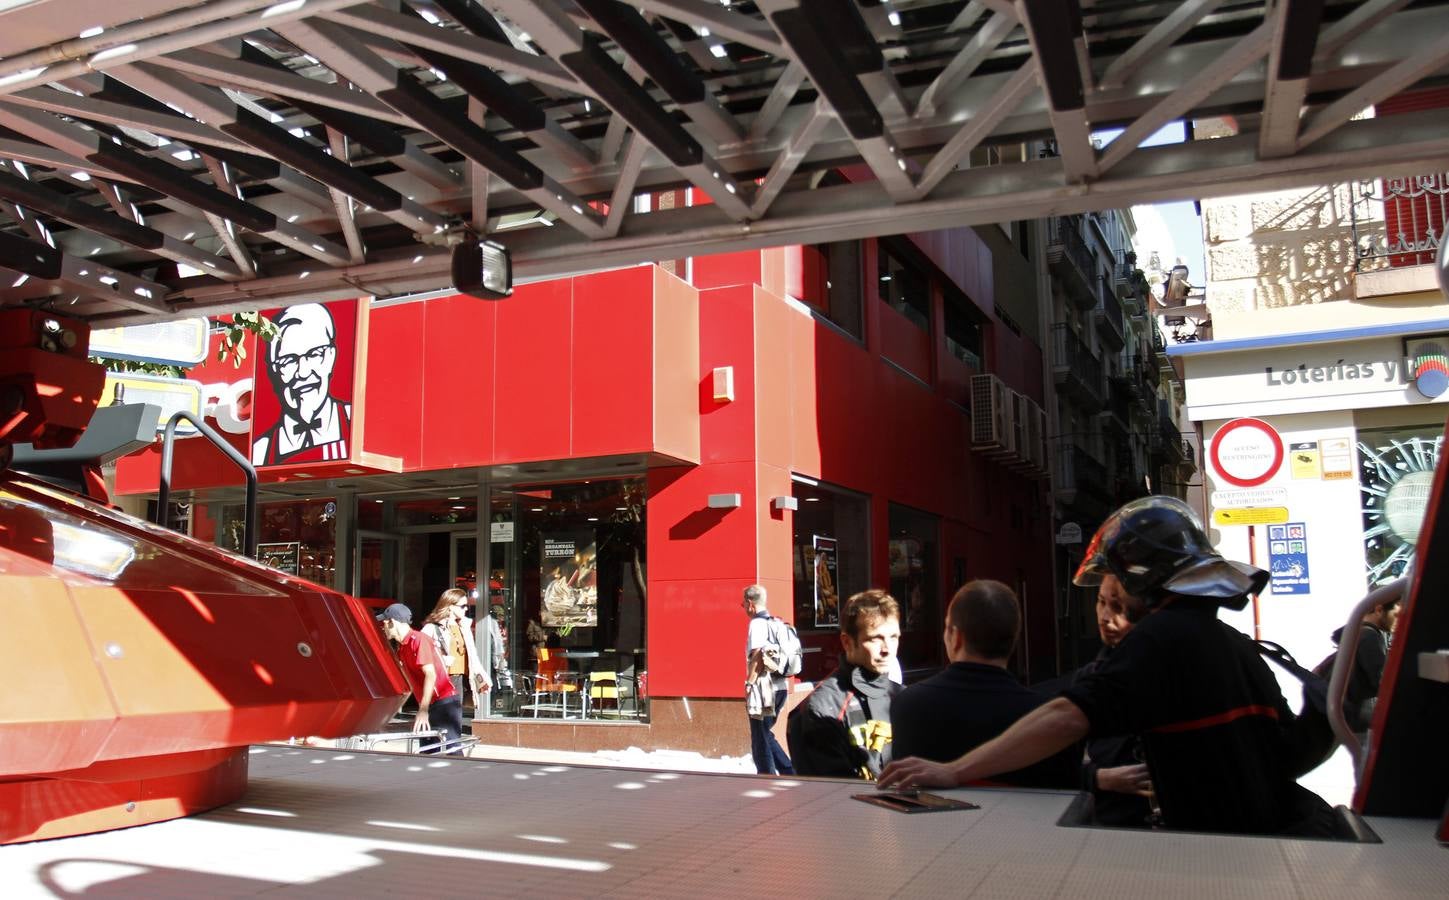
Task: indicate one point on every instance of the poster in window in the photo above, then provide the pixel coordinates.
(284, 557)
(569, 578)
(823, 567)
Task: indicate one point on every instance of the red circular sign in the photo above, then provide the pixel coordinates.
(1247, 452)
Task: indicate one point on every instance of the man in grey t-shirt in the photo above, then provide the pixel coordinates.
(769, 756)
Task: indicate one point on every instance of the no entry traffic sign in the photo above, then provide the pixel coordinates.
(1246, 452)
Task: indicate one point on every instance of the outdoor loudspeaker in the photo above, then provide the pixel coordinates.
(482, 269)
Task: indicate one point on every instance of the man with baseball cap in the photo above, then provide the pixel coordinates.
(439, 705)
(1218, 736)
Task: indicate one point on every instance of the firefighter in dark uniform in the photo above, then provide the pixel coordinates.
(1217, 734)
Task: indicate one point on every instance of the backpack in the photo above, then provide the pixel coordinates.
(1309, 737)
(792, 654)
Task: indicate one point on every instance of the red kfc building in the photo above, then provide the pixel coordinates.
(607, 460)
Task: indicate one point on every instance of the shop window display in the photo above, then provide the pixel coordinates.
(831, 561)
(1396, 473)
(914, 582)
(298, 537)
(572, 581)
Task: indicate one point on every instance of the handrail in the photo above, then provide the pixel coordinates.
(168, 442)
(1343, 664)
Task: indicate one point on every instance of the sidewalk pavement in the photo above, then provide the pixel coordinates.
(632, 758)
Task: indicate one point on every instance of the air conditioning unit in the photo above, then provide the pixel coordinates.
(1020, 459)
(993, 430)
(1030, 457)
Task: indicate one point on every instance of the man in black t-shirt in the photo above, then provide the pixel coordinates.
(1212, 719)
(975, 698)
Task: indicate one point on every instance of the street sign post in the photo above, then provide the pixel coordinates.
(1246, 452)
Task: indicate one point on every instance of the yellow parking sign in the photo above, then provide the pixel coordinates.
(1251, 515)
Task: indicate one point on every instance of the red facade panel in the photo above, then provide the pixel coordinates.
(905, 343)
(953, 380)
(394, 410)
(727, 338)
(612, 392)
(694, 585)
(456, 400)
(534, 354)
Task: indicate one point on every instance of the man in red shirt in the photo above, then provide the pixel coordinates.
(439, 705)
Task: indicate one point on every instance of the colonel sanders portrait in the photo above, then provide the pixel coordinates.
(314, 426)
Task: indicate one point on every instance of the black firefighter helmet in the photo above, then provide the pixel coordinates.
(1156, 547)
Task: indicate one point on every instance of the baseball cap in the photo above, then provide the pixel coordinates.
(398, 611)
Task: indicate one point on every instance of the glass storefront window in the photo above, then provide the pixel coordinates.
(448, 510)
(298, 537)
(831, 557)
(831, 561)
(571, 568)
(914, 582)
(1396, 473)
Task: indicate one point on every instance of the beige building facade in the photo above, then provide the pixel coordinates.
(1320, 400)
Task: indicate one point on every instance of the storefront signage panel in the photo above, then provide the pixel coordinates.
(1371, 373)
(303, 401)
(1288, 558)
(173, 395)
(182, 342)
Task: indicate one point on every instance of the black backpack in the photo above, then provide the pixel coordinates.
(1310, 737)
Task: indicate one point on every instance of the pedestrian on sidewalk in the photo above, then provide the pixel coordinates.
(439, 705)
(451, 631)
(768, 686)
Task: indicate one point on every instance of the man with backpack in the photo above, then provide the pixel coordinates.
(767, 682)
(1368, 663)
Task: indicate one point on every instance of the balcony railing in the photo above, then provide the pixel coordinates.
(1077, 372)
(1169, 441)
(1109, 316)
(1157, 341)
(1072, 261)
(1151, 368)
(1120, 394)
(1078, 471)
(1398, 221)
